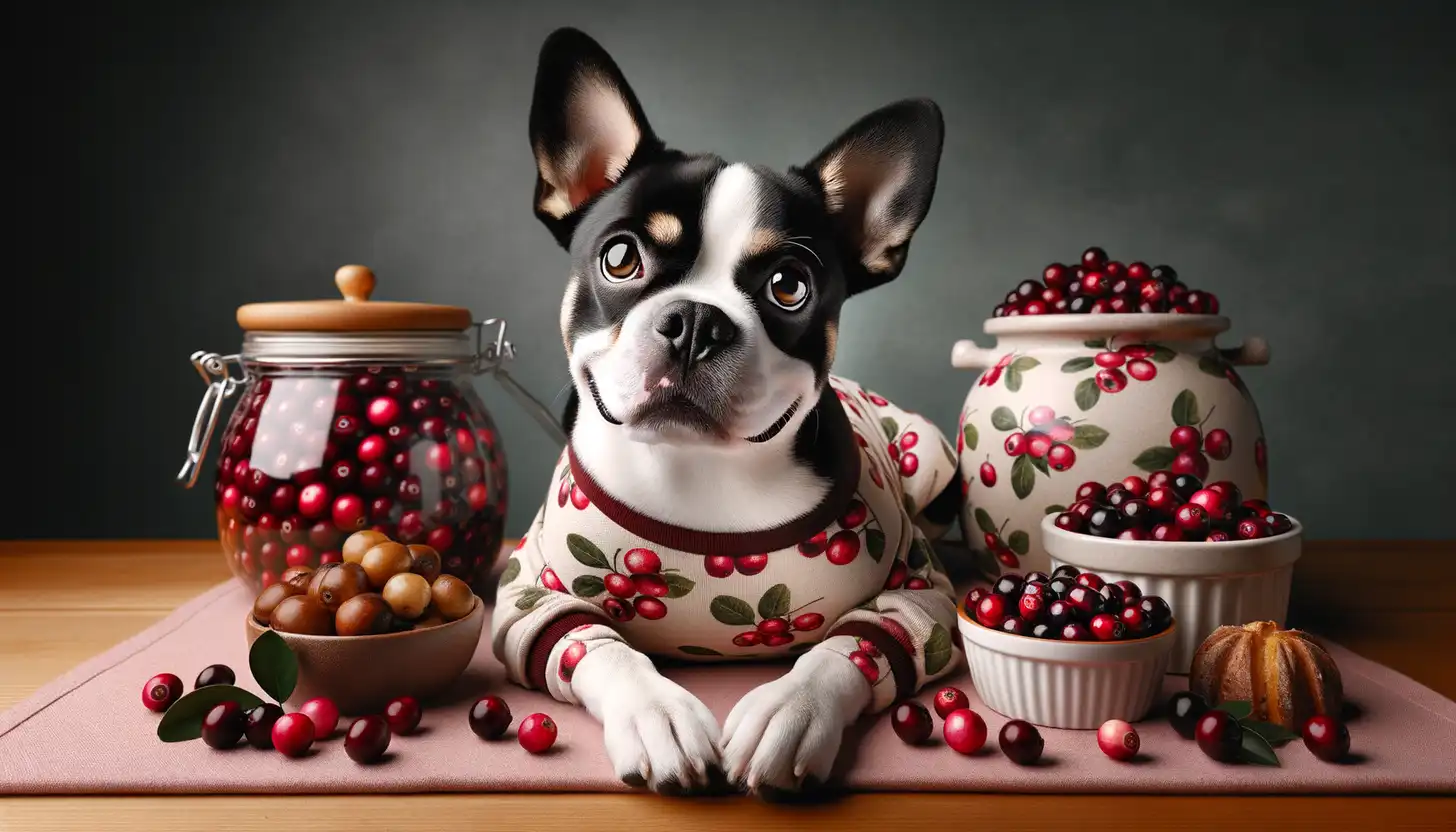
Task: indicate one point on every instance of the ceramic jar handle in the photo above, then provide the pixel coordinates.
(965, 355)
(1254, 352)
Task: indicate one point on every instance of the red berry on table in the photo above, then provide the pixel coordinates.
(1184, 710)
(1061, 457)
(1111, 380)
(1192, 520)
(1219, 735)
(537, 733)
(992, 610)
(161, 691)
(1327, 738)
(367, 739)
(1016, 444)
(1021, 742)
(988, 474)
(215, 674)
(912, 722)
(1118, 740)
(949, 699)
(223, 725)
(293, 734)
(490, 717)
(324, 714)
(1185, 438)
(1107, 627)
(964, 731)
(403, 714)
(259, 725)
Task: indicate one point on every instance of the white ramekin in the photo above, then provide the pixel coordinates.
(1207, 585)
(1066, 684)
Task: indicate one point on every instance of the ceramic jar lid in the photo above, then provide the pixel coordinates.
(355, 312)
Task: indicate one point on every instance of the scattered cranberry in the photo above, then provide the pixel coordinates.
(293, 734)
(537, 733)
(1327, 738)
(1021, 742)
(1185, 709)
(223, 725)
(490, 717)
(161, 691)
(324, 714)
(1118, 740)
(1219, 735)
(367, 739)
(214, 674)
(912, 722)
(403, 715)
(964, 731)
(260, 720)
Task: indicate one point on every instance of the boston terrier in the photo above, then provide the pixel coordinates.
(723, 496)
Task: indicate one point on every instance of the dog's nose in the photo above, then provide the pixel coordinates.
(694, 331)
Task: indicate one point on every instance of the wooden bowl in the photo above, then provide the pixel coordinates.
(362, 673)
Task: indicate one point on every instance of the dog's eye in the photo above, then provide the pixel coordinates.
(620, 260)
(788, 288)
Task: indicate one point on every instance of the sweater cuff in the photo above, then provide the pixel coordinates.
(539, 656)
(902, 666)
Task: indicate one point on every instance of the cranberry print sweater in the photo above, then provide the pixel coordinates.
(862, 577)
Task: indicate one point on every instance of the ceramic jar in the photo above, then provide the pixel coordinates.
(355, 414)
(1065, 399)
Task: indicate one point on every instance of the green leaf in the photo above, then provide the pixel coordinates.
(875, 543)
(775, 602)
(511, 572)
(1019, 542)
(677, 584)
(1039, 463)
(1087, 393)
(1003, 419)
(984, 522)
(890, 427)
(1023, 476)
(1155, 459)
(1077, 365)
(183, 721)
(1087, 437)
(274, 666)
(1013, 379)
(529, 597)
(1025, 363)
(950, 454)
(1096, 343)
(1237, 709)
(586, 552)
(734, 612)
(917, 558)
(698, 651)
(1212, 365)
(587, 586)
(1257, 750)
(1185, 409)
(1055, 509)
(1162, 354)
(1275, 735)
(937, 650)
(972, 436)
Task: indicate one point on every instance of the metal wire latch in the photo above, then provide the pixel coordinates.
(491, 358)
(221, 385)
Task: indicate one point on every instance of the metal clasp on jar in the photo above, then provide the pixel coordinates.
(490, 357)
(220, 387)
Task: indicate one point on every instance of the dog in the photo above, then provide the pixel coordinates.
(722, 495)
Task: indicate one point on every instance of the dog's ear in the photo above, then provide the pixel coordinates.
(878, 178)
(586, 127)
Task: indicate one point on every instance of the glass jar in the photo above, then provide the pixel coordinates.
(356, 414)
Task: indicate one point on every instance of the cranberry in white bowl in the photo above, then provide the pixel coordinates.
(355, 414)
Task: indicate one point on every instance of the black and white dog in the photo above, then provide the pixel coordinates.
(723, 495)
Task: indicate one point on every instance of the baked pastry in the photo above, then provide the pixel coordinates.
(1284, 675)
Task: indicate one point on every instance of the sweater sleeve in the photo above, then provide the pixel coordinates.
(534, 613)
(906, 636)
(926, 463)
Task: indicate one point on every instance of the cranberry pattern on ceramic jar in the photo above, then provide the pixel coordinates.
(309, 460)
(1068, 605)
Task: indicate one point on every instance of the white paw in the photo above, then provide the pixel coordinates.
(789, 729)
(656, 733)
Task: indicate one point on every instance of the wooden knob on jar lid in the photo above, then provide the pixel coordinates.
(356, 283)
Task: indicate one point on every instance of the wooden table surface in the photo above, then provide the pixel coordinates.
(62, 602)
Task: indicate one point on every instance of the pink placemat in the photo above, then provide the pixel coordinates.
(87, 732)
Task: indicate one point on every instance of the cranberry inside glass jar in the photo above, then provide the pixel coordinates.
(355, 414)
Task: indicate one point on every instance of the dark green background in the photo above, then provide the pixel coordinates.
(183, 159)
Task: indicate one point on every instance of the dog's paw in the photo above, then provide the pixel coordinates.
(656, 733)
(787, 732)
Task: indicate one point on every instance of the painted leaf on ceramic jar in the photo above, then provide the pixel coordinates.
(1003, 419)
(971, 436)
(1087, 393)
(1023, 476)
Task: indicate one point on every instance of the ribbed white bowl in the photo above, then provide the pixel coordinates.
(1207, 585)
(1066, 684)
